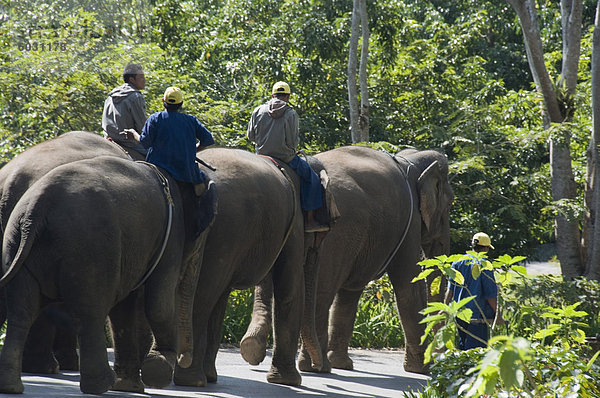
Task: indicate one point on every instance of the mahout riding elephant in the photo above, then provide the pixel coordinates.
(393, 208)
(87, 234)
(258, 233)
(53, 329)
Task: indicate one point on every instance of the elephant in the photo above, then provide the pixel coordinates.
(88, 234)
(15, 178)
(392, 208)
(257, 234)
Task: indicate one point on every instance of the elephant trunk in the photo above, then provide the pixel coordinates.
(186, 291)
(308, 331)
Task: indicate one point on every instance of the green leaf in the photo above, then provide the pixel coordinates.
(422, 275)
(476, 271)
(465, 314)
(519, 269)
(509, 368)
(436, 285)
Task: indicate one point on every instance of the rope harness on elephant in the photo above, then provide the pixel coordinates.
(167, 190)
(295, 214)
(410, 216)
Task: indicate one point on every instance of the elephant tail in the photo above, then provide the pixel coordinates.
(19, 237)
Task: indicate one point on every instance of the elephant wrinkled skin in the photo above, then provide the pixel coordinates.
(15, 178)
(85, 234)
(257, 234)
(380, 200)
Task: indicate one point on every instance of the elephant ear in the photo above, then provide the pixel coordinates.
(428, 185)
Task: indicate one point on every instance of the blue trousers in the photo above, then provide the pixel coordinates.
(310, 184)
(465, 341)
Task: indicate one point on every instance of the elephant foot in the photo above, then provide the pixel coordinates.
(340, 360)
(413, 361)
(46, 364)
(97, 384)
(210, 371)
(305, 364)
(128, 385)
(287, 376)
(253, 348)
(128, 379)
(157, 369)
(10, 382)
(189, 377)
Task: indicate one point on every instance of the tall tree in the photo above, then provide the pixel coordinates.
(593, 186)
(558, 112)
(359, 117)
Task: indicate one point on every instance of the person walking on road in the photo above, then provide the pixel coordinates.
(483, 287)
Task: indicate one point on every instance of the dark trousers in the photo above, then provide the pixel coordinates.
(310, 184)
(466, 341)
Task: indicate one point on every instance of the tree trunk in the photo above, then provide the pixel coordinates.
(362, 74)
(557, 112)
(593, 258)
(359, 116)
(352, 89)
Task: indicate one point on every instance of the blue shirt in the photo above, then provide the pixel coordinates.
(171, 141)
(483, 288)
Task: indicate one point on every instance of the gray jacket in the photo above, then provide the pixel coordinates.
(124, 108)
(274, 128)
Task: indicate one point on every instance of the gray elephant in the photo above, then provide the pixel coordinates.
(392, 207)
(15, 178)
(87, 234)
(258, 233)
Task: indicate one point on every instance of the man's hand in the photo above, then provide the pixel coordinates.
(499, 320)
(130, 134)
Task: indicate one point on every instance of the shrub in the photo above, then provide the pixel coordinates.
(554, 359)
(377, 324)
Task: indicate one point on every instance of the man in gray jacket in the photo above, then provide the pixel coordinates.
(125, 109)
(274, 128)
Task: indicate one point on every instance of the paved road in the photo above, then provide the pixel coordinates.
(538, 267)
(378, 373)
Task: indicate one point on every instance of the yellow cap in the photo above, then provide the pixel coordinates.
(173, 95)
(281, 88)
(482, 239)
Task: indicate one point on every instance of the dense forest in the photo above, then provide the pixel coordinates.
(450, 75)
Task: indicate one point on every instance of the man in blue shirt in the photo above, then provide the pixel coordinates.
(485, 303)
(170, 137)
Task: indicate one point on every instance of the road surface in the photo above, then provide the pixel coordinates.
(378, 373)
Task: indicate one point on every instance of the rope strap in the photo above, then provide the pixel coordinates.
(167, 191)
(410, 216)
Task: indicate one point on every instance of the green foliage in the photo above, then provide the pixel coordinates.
(377, 324)
(554, 360)
(442, 75)
(237, 316)
(524, 299)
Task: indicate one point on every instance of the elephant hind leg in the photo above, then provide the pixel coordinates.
(37, 355)
(126, 343)
(213, 338)
(96, 375)
(23, 306)
(343, 315)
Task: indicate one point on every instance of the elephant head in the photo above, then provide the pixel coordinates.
(435, 198)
